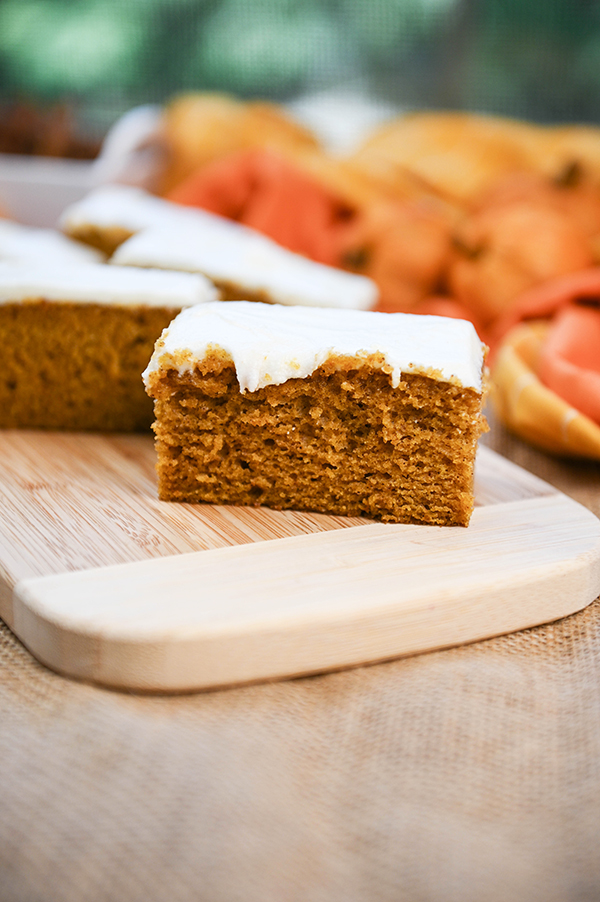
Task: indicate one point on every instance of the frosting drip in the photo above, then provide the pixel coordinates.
(270, 344)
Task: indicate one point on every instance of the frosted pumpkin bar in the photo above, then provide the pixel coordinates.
(342, 412)
(141, 230)
(76, 338)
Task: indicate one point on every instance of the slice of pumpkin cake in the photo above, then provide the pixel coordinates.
(76, 338)
(342, 412)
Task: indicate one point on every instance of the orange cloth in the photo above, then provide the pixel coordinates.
(546, 299)
(446, 306)
(531, 409)
(546, 364)
(263, 191)
(569, 362)
(570, 358)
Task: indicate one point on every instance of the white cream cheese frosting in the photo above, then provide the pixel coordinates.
(170, 236)
(270, 344)
(118, 206)
(97, 283)
(251, 262)
(20, 242)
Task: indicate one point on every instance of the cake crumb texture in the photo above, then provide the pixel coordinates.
(342, 441)
(77, 366)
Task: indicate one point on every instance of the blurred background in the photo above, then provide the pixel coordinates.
(519, 58)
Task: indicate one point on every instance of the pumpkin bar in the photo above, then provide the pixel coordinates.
(76, 338)
(341, 412)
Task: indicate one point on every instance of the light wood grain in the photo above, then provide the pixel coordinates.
(176, 597)
(70, 502)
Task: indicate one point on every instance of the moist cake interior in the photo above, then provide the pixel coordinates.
(56, 355)
(341, 441)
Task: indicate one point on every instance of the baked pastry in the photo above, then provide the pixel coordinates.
(454, 154)
(343, 412)
(75, 340)
(145, 231)
(197, 128)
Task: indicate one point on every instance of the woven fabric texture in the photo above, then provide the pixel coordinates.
(466, 774)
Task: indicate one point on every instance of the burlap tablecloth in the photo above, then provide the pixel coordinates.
(469, 774)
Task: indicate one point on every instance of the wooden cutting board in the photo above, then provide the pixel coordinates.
(103, 582)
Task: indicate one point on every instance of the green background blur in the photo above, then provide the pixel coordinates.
(539, 60)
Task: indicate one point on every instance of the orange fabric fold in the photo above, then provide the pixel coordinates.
(447, 306)
(568, 358)
(259, 189)
(548, 297)
(531, 409)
